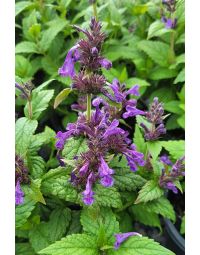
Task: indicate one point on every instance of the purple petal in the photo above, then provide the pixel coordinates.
(132, 111)
(171, 186)
(133, 91)
(165, 159)
(107, 181)
(83, 170)
(105, 63)
(104, 169)
(19, 194)
(120, 238)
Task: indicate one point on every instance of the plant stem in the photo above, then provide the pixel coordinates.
(125, 206)
(30, 109)
(89, 106)
(94, 5)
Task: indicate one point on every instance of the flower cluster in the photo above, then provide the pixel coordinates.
(168, 18)
(155, 117)
(168, 177)
(21, 176)
(104, 138)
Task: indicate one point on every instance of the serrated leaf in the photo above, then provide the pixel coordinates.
(57, 183)
(40, 101)
(139, 140)
(161, 206)
(61, 96)
(149, 192)
(157, 51)
(24, 130)
(140, 246)
(154, 148)
(108, 197)
(23, 67)
(54, 28)
(127, 180)
(73, 147)
(36, 165)
(92, 219)
(78, 244)
(160, 73)
(26, 47)
(75, 225)
(33, 191)
(23, 211)
(175, 148)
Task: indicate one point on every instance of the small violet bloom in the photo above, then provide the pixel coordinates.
(169, 23)
(171, 186)
(165, 159)
(88, 194)
(105, 63)
(19, 194)
(120, 238)
(105, 173)
(68, 67)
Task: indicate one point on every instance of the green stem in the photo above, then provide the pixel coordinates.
(89, 106)
(30, 109)
(94, 5)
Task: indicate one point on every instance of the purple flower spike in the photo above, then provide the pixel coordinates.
(120, 238)
(119, 96)
(132, 111)
(68, 67)
(83, 170)
(107, 181)
(104, 169)
(88, 194)
(171, 186)
(19, 194)
(105, 63)
(113, 129)
(94, 51)
(165, 159)
(133, 91)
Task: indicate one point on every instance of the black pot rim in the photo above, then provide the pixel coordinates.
(174, 234)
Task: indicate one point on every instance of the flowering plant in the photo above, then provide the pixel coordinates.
(81, 189)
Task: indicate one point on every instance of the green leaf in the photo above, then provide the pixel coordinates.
(149, 192)
(55, 26)
(78, 244)
(23, 67)
(180, 77)
(127, 180)
(157, 51)
(61, 96)
(43, 85)
(24, 130)
(173, 106)
(164, 94)
(33, 191)
(175, 148)
(148, 218)
(23, 211)
(93, 219)
(40, 101)
(26, 47)
(21, 6)
(133, 81)
(24, 248)
(157, 29)
(161, 206)
(108, 197)
(140, 9)
(47, 136)
(56, 183)
(181, 121)
(75, 225)
(140, 246)
(154, 148)
(160, 73)
(183, 225)
(74, 147)
(139, 140)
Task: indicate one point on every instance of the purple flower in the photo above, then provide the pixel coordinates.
(19, 194)
(169, 23)
(133, 91)
(104, 169)
(88, 194)
(94, 51)
(171, 186)
(113, 129)
(119, 95)
(120, 238)
(83, 170)
(105, 63)
(61, 139)
(107, 181)
(178, 167)
(134, 157)
(131, 112)
(68, 67)
(165, 159)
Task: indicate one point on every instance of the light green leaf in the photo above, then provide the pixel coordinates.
(26, 47)
(23, 67)
(21, 6)
(180, 77)
(175, 148)
(149, 192)
(157, 29)
(139, 140)
(108, 197)
(93, 219)
(40, 101)
(157, 51)
(43, 85)
(23, 211)
(140, 9)
(154, 148)
(36, 165)
(24, 130)
(183, 225)
(33, 191)
(61, 97)
(140, 246)
(74, 147)
(78, 244)
(160, 73)
(55, 26)
(173, 106)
